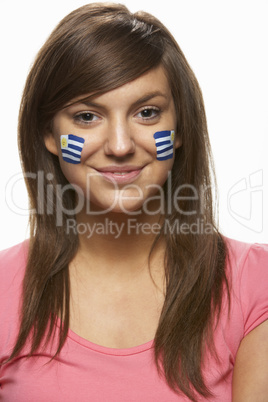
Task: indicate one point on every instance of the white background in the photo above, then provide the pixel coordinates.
(226, 44)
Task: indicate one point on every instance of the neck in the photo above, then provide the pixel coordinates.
(117, 240)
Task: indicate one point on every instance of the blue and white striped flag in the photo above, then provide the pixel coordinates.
(71, 148)
(164, 144)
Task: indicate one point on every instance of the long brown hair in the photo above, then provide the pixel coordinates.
(96, 48)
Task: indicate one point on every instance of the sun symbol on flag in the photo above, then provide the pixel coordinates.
(63, 142)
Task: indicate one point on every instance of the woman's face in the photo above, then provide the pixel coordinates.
(119, 169)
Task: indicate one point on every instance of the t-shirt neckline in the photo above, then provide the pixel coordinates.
(107, 350)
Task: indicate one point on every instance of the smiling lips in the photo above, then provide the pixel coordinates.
(120, 174)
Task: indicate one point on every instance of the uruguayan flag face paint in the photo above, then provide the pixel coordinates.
(164, 144)
(71, 148)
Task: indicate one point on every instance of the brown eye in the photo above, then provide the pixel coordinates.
(149, 113)
(85, 117)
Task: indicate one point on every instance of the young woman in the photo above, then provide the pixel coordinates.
(126, 290)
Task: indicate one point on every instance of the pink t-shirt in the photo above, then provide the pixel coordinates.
(85, 371)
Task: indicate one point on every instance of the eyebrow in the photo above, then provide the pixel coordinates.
(145, 98)
(148, 97)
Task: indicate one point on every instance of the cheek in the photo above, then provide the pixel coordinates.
(163, 168)
(76, 173)
(76, 153)
(71, 172)
(91, 147)
(158, 173)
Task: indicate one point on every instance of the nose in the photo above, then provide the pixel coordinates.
(119, 140)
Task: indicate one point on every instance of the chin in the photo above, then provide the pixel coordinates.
(127, 209)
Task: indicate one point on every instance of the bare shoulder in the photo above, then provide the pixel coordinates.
(250, 379)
